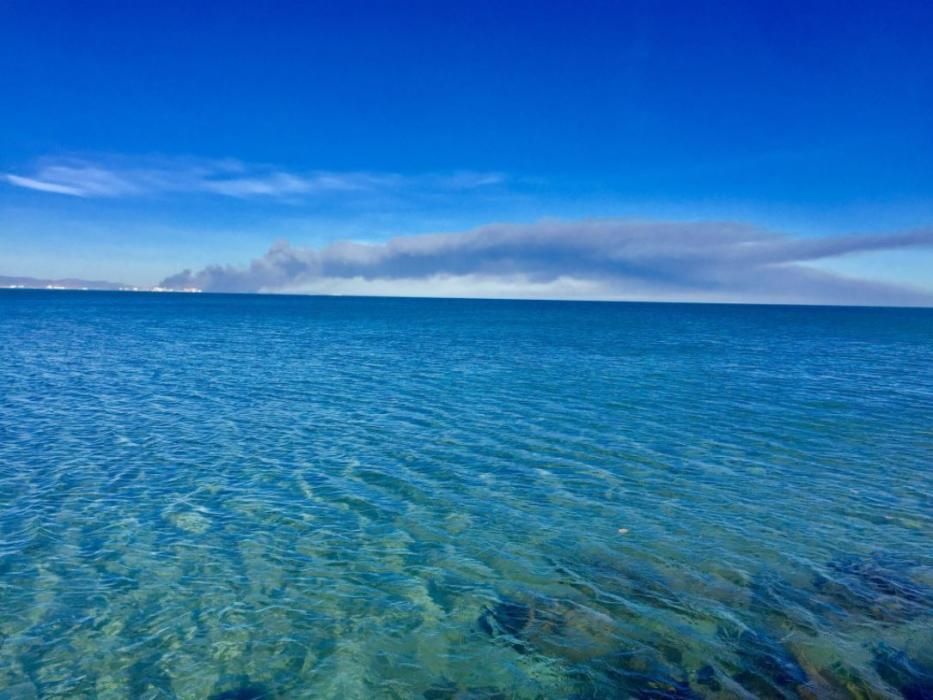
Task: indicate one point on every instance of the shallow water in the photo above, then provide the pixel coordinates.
(211, 496)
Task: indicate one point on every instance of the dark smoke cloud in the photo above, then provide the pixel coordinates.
(613, 259)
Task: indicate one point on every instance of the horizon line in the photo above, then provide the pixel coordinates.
(397, 297)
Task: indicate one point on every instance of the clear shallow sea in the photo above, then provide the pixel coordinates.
(210, 496)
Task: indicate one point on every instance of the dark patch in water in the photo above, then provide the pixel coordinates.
(510, 620)
(707, 677)
(442, 594)
(768, 669)
(912, 679)
(671, 653)
(448, 690)
(882, 573)
(666, 689)
(879, 586)
(246, 692)
(505, 617)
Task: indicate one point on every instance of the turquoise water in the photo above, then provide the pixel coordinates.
(211, 496)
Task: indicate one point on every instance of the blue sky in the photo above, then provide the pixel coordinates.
(140, 139)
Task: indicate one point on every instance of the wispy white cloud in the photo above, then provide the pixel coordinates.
(606, 259)
(123, 177)
(43, 185)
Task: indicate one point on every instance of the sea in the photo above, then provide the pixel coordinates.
(234, 497)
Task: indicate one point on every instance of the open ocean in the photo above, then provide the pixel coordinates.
(235, 497)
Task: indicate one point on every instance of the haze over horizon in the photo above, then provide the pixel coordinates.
(744, 152)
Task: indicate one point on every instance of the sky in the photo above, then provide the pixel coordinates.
(730, 151)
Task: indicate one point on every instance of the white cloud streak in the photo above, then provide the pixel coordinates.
(607, 259)
(43, 185)
(118, 178)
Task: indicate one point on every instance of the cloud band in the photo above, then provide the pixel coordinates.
(599, 259)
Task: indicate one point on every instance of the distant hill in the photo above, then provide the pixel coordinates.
(35, 283)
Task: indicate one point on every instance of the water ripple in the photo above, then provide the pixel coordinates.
(272, 497)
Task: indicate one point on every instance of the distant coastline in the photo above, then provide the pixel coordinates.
(72, 284)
